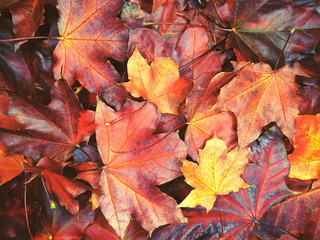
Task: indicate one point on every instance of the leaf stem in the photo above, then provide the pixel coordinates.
(25, 204)
(45, 189)
(220, 215)
(187, 25)
(91, 170)
(295, 4)
(93, 162)
(275, 228)
(282, 50)
(203, 54)
(125, 116)
(28, 38)
(151, 145)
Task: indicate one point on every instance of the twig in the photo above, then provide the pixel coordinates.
(282, 50)
(203, 54)
(275, 228)
(93, 162)
(25, 204)
(187, 25)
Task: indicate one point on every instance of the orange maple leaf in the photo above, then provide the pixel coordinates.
(65, 189)
(10, 166)
(90, 33)
(305, 159)
(205, 122)
(258, 95)
(157, 4)
(159, 83)
(218, 173)
(135, 161)
(204, 125)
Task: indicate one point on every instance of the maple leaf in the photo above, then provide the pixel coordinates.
(115, 96)
(101, 229)
(267, 177)
(86, 154)
(234, 215)
(135, 161)
(204, 125)
(194, 42)
(205, 122)
(134, 231)
(53, 130)
(167, 13)
(304, 212)
(305, 159)
(170, 122)
(206, 15)
(261, 29)
(309, 103)
(258, 95)
(13, 210)
(132, 165)
(64, 188)
(10, 123)
(92, 178)
(218, 173)
(146, 5)
(27, 70)
(30, 11)
(90, 33)
(62, 225)
(10, 166)
(157, 4)
(6, 121)
(132, 11)
(149, 44)
(7, 3)
(159, 83)
(23, 11)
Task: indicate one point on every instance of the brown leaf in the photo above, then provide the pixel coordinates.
(63, 225)
(204, 121)
(303, 222)
(65, 189)
(167, 13)
(30, 12)
(28, 70)
(234, 215)
(53, 130)
(261, 29)
(149, 44)
(90, 34)
(7, 3)
(194, 42)
(87, 173)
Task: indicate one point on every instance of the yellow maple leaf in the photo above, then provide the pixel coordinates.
(305, 159)
(218, 173)
(159, 83)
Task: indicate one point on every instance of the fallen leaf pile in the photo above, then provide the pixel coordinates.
(163, 119)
